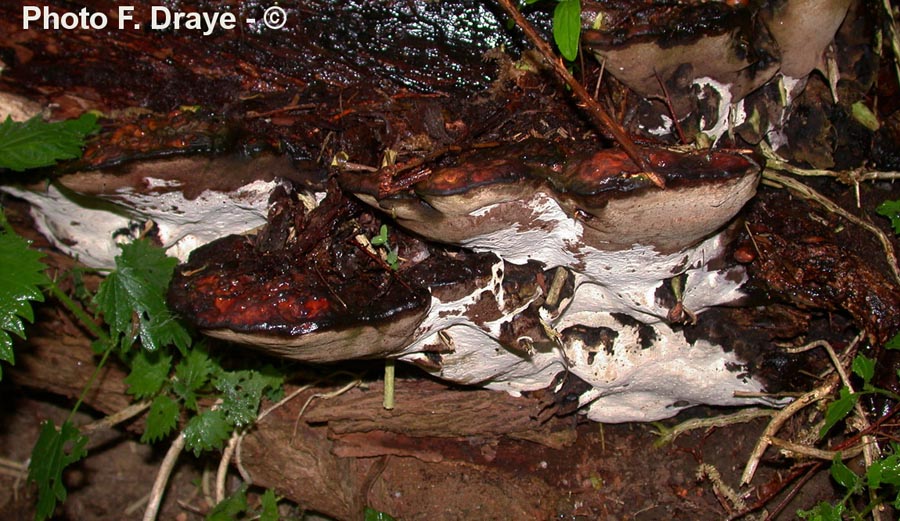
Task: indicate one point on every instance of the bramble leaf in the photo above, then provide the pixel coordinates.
(161, 420)
(21, 275)
(52, 453)
(891, 210)
(191, 374)
(242, 392)
(206, 431)
(149, 372)
(567, 27)
(134, 295)
(36, 143)
(864, 367)
(838, 410)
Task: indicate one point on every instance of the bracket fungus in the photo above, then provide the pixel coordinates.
(529, 268)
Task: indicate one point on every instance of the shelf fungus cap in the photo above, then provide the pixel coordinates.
(605, 193)
(328, 304)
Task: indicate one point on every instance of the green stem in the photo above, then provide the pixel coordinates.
(94, 329)
(79, 313)
(90, 382)
(389, 383)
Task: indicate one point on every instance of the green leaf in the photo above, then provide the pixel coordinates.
(241, 394)
(823, 512)
(864, 367)
(893, 343)
(885, 470)
(36, 143)
(206, 431)
(149, 372)
(54, 451)
(382, 238)
(864, 116)
(21, 277)
(191, 374)
(161, 420)
(134, 296)
(838, 410)
(844, 476)
(567, 27)
(269, 503)
(374, 515)
(230, 508)
(891, 210)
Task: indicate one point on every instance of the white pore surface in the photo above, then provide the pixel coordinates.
(630, 382)
(92, 235)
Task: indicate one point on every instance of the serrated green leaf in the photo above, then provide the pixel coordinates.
(21, 276)
(242, 392)
(231, 507)
(374, 515)
(269, 506)
(191, 375)
(838, 410)
(52, 453)
(567, 27)
(885, 470)
(161, 419)
(891, 210)
(844, 476)
(149, 372)
(134, 296)
(36, 143)
(206, 431)
(823, 512)
(893, 343)
(864, 367)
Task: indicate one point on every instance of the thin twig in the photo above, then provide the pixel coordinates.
(813, 452)
(741, 416)
(116, 418)
(778, 420)
(224, 462)
(162, 478)
(594, 109)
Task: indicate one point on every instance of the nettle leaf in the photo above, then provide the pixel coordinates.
(844, 476)
(206, 431)
(838, 410)
(242, 392)
(231, 507)
(36, 143)
(269, 506)
(21, 277)
(191, 375)
(864, 367)
(52, 453)
(149, 372)
(161, 420)
(891, 210)
(823, 512)
(374, 515)
(567, 27)
(134, 295)
(893, 343)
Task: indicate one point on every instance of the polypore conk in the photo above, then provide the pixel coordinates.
(563, 269)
